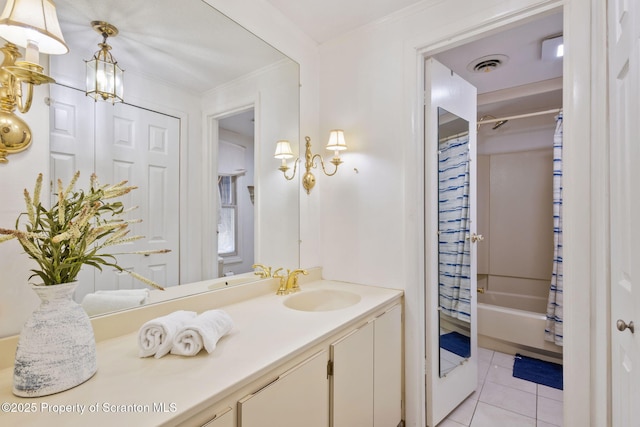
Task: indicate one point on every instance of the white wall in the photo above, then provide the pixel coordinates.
(521, 219)
(17, 300)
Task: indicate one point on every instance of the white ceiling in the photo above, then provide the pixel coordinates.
(522, 45)
(323, 20)
(185, 43)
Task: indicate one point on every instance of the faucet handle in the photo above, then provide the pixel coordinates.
(293, 279)
(264, 271)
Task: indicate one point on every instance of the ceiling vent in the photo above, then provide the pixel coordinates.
(487, 64)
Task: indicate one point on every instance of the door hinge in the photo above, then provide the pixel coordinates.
(329, 368)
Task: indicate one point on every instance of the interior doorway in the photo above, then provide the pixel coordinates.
(235, 193)
(519, 97)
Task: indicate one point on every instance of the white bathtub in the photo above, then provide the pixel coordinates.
(504, 325)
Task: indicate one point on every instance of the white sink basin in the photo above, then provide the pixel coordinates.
(321, 300)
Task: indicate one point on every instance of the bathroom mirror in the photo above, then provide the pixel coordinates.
(454, 277)
(189, 64)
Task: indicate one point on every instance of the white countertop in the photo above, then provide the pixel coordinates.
(126, 387)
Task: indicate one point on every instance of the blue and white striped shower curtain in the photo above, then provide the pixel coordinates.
(453, 228)
(553, 328)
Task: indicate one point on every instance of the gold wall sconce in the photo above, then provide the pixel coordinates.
(336, 143)
(33, 25)
(104, 75)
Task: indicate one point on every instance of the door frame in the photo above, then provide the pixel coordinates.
(586, 343)
(210, 174)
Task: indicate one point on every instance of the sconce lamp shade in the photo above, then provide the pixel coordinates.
(283, 150)
(33, 22)
(336, 140)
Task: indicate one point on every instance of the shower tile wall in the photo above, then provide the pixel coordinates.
(515, 215)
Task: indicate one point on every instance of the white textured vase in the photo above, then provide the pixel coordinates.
(57, 349)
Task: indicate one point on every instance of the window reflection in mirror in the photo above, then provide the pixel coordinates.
(454, 262)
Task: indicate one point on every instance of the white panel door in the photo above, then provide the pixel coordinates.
(448, 91)
(142, 147)
(352, 379)
(624, 89)
(71, 122)
(71, 134)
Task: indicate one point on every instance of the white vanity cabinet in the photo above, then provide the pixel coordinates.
(225, 418)
(273, 369)
(366, 388)
(299, 397)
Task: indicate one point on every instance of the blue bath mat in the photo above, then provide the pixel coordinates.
(538, 371)
(456, 343)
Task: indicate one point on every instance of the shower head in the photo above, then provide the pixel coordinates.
(499, 123)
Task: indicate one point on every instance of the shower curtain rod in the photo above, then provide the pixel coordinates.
(521, 116)
(457, 135)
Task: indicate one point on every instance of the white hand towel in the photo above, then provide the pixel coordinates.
(203, 331)
(106, 301)
(156, 336)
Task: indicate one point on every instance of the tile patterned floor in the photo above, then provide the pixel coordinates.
(504, 401)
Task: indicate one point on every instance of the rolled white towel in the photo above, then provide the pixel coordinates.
(156, 336)
(105, 301)
(203, 331)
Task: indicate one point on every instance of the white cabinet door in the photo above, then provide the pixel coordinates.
(299, 397)
(387, 369)
(222, 419)
(352, 380)
(367, 374)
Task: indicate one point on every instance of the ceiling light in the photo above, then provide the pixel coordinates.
(552, 48)
(104, 75)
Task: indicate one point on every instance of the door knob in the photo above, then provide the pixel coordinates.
(477, 237)
(622, 325)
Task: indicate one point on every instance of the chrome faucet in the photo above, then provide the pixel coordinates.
(288, 283)
(264, 271)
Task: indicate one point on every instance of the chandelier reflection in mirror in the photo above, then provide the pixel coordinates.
(33, 25)
(104, 75)
(336, 143)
